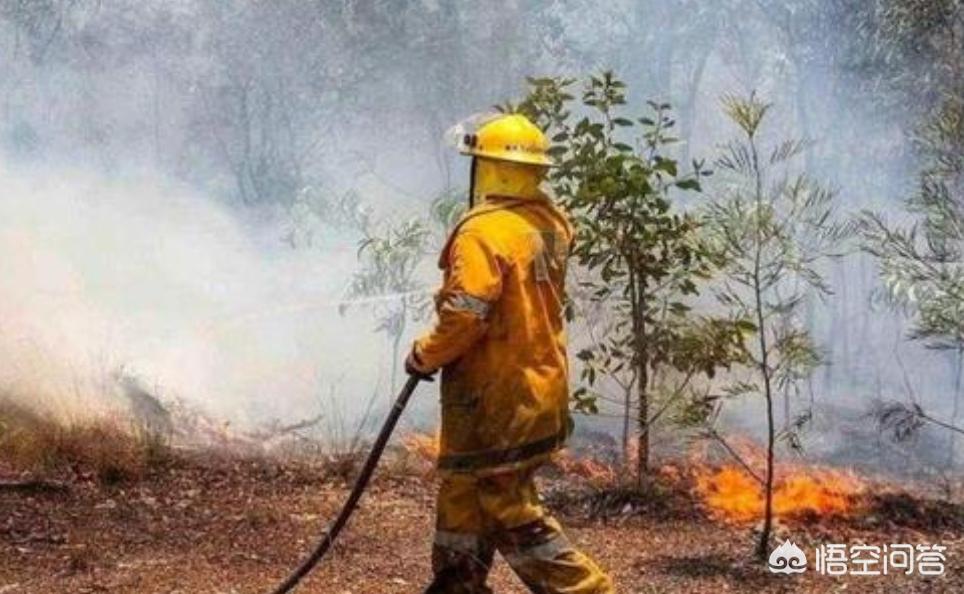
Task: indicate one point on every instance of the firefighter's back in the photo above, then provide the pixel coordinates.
(514, 382)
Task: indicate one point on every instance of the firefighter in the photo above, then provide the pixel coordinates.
(500, 343)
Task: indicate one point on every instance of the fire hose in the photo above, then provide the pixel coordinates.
(328, 538)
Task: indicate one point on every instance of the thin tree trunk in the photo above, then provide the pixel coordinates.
(764, 544)
(642, 389)
(627, 415)
(637, 309)
(786, 408)
(642, 448)
(952, 442)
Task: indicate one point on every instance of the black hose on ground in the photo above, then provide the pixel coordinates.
(356, 492)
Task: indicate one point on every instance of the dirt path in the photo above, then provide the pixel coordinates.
(237, 526)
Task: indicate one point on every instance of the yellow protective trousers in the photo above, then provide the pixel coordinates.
(479, 515)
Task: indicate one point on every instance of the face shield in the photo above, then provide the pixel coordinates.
(462, 135)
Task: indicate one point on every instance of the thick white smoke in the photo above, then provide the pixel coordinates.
(140, 275)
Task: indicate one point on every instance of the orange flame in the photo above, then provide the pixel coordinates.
(594, 471)
(423, 445)
(732, 494)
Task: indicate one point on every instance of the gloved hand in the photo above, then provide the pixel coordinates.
(413, 367)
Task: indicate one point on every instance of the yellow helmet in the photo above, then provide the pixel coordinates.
(509, 137)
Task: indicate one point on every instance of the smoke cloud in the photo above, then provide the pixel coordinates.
(138, 276)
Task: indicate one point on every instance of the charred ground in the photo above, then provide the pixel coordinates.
(196, 522)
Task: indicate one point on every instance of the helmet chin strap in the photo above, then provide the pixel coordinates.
(472, 168)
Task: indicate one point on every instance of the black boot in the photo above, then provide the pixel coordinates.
(451, 581)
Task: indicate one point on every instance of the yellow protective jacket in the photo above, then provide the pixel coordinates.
(500, 337)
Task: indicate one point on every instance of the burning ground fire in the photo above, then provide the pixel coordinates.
(735, 493)
(728, 491)
(731, 494)
(423, 445)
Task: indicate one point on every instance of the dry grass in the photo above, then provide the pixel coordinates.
(208, 522)
(108, 449)
(113, 448)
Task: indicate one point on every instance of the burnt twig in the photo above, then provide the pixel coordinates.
(34, 486)
(712, 433)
